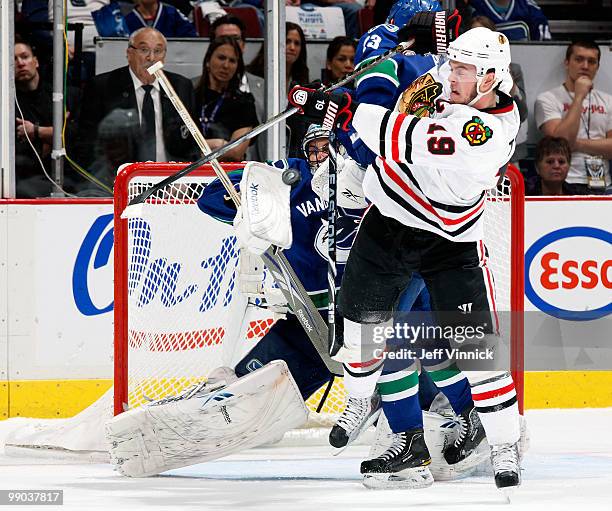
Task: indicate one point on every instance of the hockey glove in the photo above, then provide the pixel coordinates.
(330, 110)
(431, 31)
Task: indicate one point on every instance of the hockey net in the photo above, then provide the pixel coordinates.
(179, 315)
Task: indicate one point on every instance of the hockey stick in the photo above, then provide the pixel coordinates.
(331, 245)
(293, 290)
(263, 127)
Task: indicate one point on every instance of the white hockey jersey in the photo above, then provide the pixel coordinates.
(432, 172)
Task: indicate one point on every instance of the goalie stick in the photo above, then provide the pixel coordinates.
(139, 199)
(293, 290)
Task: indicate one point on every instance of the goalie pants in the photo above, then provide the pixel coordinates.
(287, 341)
(382, 260)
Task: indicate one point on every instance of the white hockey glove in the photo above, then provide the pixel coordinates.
(264, 218)
(349, 180)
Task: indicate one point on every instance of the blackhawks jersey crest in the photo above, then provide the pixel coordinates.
(475, 131)
(419, 98)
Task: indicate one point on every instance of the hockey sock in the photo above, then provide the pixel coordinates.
(360, 384)
(400, 401)
(497, 406)
(452, 383)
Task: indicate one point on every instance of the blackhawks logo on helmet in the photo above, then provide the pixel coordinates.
(475, 131)
(418, 99)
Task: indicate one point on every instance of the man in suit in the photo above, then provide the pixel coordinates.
(160, 134)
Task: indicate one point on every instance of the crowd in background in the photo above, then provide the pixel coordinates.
(123, 115)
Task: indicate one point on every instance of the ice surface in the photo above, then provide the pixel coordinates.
(569, 467)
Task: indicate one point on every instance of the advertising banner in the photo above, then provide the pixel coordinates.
(568, 280)
(317, 22)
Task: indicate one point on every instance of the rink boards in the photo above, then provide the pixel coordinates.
(56, 322)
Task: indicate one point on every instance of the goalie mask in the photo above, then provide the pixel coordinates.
(402, 10)
(316, 146)
(489, 51)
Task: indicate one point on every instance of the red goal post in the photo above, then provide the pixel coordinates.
(178, 313)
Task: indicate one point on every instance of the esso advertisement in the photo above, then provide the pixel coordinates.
(568, 272)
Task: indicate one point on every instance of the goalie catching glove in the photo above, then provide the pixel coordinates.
(264, 218)
(431, 32)
(330, 110)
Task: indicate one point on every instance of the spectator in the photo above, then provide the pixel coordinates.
(296, 69)
(582, 115)
(164, 17)
(234, 27)
(162, 136)
(340, 60)
(553, 156)
(519, 20)
(518, 93)
(296, 72)
(34, 124)
(225, 112)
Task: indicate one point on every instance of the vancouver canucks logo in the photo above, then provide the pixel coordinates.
(418, 99)
(475, 131)
(346, 228)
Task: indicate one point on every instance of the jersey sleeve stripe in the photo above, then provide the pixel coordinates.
(395, 135)
(408, 138)
(383, 131)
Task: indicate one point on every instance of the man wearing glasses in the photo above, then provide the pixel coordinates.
(145, 123)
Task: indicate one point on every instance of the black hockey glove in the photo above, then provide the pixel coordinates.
(432, 31)
(330, 110)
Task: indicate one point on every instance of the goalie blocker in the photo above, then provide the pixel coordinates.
(206, 425)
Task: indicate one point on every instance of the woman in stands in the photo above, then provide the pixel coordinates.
(553, 156)
(225, 112)
(296, 68)
(340, 60)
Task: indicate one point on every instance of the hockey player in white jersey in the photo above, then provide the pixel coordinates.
(427, 186)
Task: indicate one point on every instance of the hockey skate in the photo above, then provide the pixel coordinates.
(358, 415)
(506, 466)
(403, 465)
(471, 436)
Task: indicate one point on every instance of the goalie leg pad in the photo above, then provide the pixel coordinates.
(249, 412)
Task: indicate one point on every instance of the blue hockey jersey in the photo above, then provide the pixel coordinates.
(169, 21)
(522, 21)
(308, 253)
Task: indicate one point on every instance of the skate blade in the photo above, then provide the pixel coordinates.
(411, 478)
(508, 492)
(466, 465)
(357, 434)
